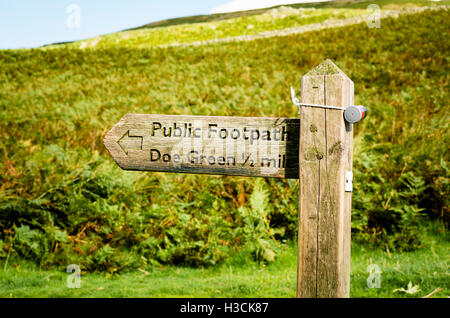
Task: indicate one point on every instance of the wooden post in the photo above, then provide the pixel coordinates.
(325, 155)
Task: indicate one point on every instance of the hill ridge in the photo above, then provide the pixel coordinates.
(333, 23)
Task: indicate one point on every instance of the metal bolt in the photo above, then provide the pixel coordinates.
(353, 114)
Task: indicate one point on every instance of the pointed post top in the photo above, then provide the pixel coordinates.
(327, 67)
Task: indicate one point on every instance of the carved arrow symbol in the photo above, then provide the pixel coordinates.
(130, 141)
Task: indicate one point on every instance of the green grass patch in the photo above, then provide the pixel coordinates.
(426, 268)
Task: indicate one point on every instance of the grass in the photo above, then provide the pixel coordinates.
(238, 277)
(427, 267)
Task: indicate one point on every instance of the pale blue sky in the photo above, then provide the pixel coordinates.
(25, 24)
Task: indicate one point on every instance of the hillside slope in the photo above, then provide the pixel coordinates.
(63, 200)
(247, 25)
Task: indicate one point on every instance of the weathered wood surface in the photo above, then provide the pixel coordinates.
(245, 146)
(325, 153)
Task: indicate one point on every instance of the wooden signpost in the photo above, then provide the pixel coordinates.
(317, 150)
(245, 146)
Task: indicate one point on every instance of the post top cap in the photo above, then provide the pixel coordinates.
(327, 67)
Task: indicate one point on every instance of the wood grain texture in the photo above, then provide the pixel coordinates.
(311, 154)
(245, 146)
(324, 207)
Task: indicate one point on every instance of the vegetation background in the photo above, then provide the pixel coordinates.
(64, 201)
